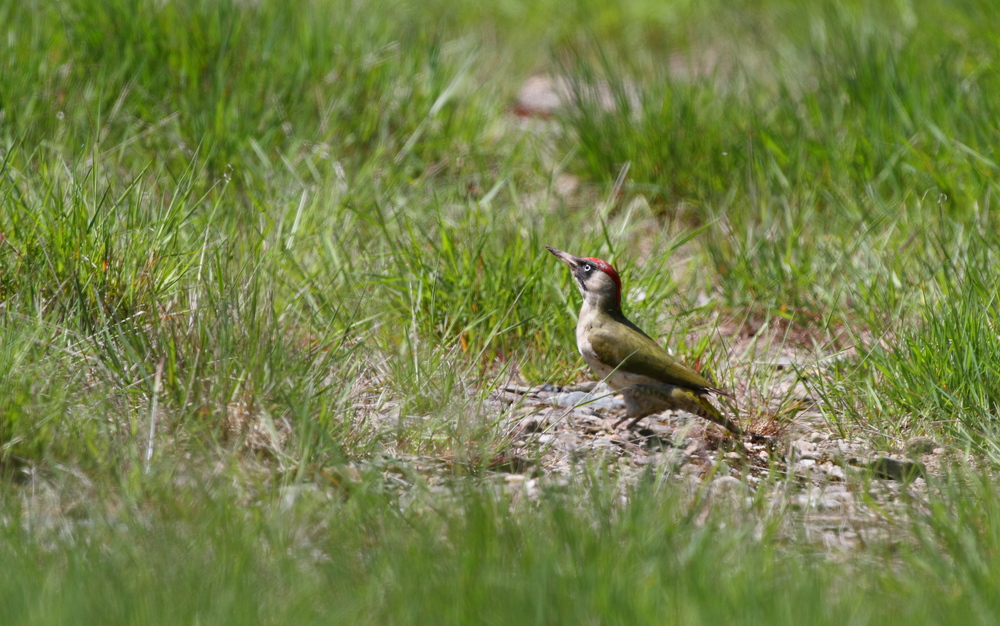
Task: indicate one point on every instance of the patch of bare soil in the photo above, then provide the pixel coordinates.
(840, 491)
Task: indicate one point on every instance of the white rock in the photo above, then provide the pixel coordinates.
(590, 400)
(729, 484)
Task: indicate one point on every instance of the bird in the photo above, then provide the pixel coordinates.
(630, 361)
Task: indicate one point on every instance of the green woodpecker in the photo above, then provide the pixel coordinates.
(649, 379)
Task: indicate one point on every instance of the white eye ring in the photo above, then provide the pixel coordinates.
(587, 268)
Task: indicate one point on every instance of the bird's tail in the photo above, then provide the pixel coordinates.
(700, 406)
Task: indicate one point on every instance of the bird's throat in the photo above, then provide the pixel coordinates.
(600, 304)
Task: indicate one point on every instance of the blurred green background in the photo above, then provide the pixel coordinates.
(295, 239)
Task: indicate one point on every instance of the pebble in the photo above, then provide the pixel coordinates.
(529, 425)
(531, 487)
(541, 96)
(670, 457)
(729, 483)
(832, 503)
(836, 472)
(730, 489)
(892, 469)
(849, 449)
(917, 446)
(804, 466)
(802, 447)
(823, 489)
(568, 399)
(781, 363)
(690, 469)
(823, 500)
(583, 400)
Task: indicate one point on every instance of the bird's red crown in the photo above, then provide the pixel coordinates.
(606, 267)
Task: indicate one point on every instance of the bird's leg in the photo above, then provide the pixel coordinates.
(637, 405)
(632, 424)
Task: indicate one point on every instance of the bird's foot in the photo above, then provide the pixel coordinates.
(631, 424)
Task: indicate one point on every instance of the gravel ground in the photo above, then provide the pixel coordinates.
(840, 493)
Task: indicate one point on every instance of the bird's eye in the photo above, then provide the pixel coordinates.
(587, 268)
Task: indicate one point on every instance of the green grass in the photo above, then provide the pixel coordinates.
(318, 555)
(251, 250)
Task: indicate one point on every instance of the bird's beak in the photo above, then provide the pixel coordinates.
(567, 258)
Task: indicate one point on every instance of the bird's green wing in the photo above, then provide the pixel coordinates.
(635, 352)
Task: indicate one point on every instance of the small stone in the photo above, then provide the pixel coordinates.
(529, 425)
(892, 469)
(690, 469)
(584, 386)
(916, 446)
(568, 399)
(587, 402)
(730, 487)
(734, 456)
(602, 389)
(694, 447)
(807, 500)
(829, 503)
(670, 457)
(817, 437)
(804, 466)
(728, 483)
(607, 403)
(801, 446)
(836, 472)
(845, 448)
(566, 185)
(540, 96)
(675, 458)
(781, 363)
(829, 500)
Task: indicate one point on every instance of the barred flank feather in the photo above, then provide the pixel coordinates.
(643, 400)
